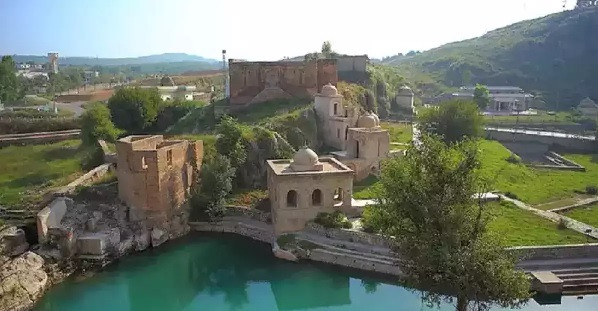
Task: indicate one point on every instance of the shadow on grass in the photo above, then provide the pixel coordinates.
(35, 179)
(59, 153)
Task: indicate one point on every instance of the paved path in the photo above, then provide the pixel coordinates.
(554, 217)
(579, 203)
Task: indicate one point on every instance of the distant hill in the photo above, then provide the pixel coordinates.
(554, 56)
(142, 60)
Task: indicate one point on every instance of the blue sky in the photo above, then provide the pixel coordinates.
(251, 29)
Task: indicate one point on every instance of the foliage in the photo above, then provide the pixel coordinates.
(428, 201)
(586, 214)
(481, 96)
(91, 156)
(135, 109)
(9, 84)
(247, 197)
(514, 159)
(399, 132)
(259, 114)
(96, 125)
(229, 141)
(591, 189)
(211, 188)
(30, 171)
(171, 112)
(30, 125)
(353, 94)
(335, 219)
(454, 121)
(299, 127)
(327, 48)
(553, 56)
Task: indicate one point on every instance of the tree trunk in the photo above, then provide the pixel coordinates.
(462, 304)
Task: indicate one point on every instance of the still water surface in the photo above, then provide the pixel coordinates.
(223, 272)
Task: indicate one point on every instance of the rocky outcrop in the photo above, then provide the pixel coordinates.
(22, 281)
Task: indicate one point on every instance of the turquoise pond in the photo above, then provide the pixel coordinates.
(224, 272)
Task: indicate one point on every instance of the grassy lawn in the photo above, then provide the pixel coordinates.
(30, 171)
(365, 189)
(587, 214)
(535, 186)
(541, 118)
(260, 113)
(520, 227)
(399, 132)
(247, 197)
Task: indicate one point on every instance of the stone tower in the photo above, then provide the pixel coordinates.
(53, 62)
(405, 98)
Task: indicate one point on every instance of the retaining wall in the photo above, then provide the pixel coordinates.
(555, 252)
(86, 179)
(348, 235)
(237, 225)
(569, 143)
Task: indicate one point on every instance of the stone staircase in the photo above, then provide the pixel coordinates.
(578, 281)
(16, 215)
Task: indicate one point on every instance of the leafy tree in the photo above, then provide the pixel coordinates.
(427, 202)
(9, 84)
(327, 48)
(134, 109)
(208, 192)
(453, 120)
(481, 96)
(96, 125)
(229, 142)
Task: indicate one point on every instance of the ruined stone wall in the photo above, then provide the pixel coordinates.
(299, 79)
(352, 63)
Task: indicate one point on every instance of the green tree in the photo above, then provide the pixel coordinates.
(96, 124)
(9, 84)
(481, 96)
(134, 109)
(453, 120)
(427, 202)
(230, 141)
(327, 49)
(208, 192)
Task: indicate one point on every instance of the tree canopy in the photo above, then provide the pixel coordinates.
(427, 202)
(481, 96)
(96, 124)
(229, 142)
(134, 109)
(327, 48)
(453, 121)
(9, 84)
(209, 192)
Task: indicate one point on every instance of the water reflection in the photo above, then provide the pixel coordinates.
(230, 273)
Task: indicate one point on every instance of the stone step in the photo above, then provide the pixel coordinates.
(579, 292)
(349, 252)
(562, 266)
(580, 281)
(586, 288)
(573, 276)
(580, 270)
(359, 256)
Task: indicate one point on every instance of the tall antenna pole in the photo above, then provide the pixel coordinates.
(226, 75)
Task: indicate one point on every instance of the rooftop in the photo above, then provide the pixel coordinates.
(329, 166)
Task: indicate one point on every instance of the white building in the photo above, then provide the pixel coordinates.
(502, 98)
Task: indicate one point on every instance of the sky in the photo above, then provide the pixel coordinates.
(251, 29)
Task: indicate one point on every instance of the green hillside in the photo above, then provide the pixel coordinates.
(554, 57)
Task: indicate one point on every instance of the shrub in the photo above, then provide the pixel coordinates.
(591, 189)
(372, 220)
(135, 109)
(563, 224)
(92, 156)
(209, 192)
(31, 125)
(335, 219)
(96, 125)
(513, 158)
(511, 195)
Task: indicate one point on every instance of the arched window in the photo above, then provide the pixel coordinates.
(338, 194)
(335, 108)
(338, 133)
(346, 132)
(316, 197)
(292, 198)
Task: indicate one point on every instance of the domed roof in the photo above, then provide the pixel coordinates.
(329, 90)
(375, 116)
(305, 157)
(405, 90)
(367, 121)
(166, 81)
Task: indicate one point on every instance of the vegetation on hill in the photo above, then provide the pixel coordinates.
(552, 56)
(453, 121)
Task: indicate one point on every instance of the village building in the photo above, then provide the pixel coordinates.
(301, 188)
(405, 98)
(505, 99)
(588, 108)
(256, 82)
(155, 175)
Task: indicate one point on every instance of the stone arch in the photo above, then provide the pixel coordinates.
(316, 197)
(292, 198)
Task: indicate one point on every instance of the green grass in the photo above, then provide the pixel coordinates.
(535, 186)
(587, 214)
(562, 117)
(30, 171)
(399, 132)
(518, 227)
(247, 197)
(365, 189)
(260, 113)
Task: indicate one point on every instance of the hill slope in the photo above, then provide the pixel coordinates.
(555, 56)
(92, 61)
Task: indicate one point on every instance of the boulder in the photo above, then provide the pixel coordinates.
(158, 237)
(14, 241)
(141, 240)
(23, 280)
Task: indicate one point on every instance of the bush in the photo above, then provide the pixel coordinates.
(135, 109)
(92, 156)
(335, 219)
(210, 190)
(591, 189)
(31, 125)
(563, 224)
(96, 125)
(454, 121)
(372, 220)
(513, 158)
(511, 195)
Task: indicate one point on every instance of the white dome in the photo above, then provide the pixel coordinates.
(375, 116)
(405, 90)
(367, 121)
(305, 157)
(329, 90)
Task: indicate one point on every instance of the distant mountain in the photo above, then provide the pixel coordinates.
(142, 60)
(554, 56)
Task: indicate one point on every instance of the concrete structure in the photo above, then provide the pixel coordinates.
(588, 108)
(352, 68)
(546, 282)
(255, 82)
(53, 62)
(405, 98)
(181, 92)
(567, 141)
(360, 139)
(301, 188)
(503, 98)
(155, 175)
